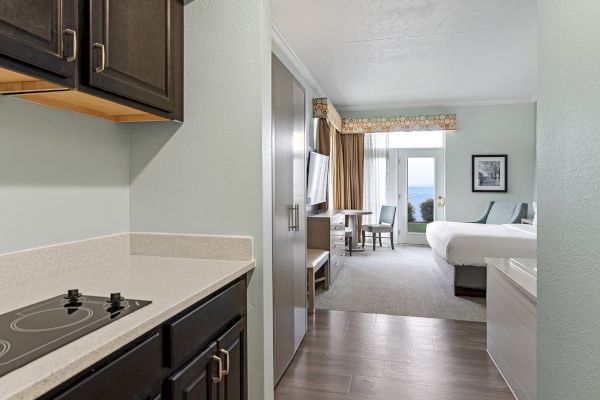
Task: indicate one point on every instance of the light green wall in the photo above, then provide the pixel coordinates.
(206, 175)
(568, 190)
(491, 129)
(63, 176)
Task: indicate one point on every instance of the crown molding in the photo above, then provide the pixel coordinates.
(293, 58)
(391, 106)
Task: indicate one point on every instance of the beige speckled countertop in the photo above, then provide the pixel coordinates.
(172, 284)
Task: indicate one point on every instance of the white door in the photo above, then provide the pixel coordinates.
(421, 192)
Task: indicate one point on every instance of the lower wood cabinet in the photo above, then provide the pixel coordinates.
(211, 366)
(232, 345)
(219, 372)
(197, 380)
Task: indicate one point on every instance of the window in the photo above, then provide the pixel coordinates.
(417, 140)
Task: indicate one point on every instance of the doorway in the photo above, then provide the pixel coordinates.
(421, 192)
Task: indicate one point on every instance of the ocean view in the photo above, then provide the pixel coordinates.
(417, 195)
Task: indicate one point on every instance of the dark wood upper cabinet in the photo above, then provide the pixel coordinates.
(121, 60)
(42, 33)
(133, 50)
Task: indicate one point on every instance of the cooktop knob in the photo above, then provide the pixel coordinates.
(115, 299)
(73, 294)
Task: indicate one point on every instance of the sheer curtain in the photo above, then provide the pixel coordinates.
(377, 177)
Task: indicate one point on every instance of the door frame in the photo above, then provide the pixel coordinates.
(401, 157)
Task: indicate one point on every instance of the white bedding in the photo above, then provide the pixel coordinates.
(468, 244)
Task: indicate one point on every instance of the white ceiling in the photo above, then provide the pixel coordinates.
(369, 54)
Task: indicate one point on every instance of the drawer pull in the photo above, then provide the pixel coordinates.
(226, 372)
(220, 365)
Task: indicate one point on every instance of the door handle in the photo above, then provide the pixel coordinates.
(290, 218)
(220, 366)
(73, 34)
(226, 372)
(103, 57)
(440, 201)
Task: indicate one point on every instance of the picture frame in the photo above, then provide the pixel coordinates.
(489, 173)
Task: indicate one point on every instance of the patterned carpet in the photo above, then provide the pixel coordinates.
(405, 281)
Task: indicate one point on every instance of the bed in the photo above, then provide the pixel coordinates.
(459, 249)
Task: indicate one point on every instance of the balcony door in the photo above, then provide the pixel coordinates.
(421, 192)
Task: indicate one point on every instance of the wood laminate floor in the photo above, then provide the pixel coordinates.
(356, 356)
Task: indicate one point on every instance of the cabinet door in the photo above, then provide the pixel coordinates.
(42, 33)
(195, 380)
(232, 349)
(133, 51)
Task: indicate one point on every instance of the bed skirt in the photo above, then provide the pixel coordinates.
(464, 280)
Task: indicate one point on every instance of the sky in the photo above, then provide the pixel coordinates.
(421, 171)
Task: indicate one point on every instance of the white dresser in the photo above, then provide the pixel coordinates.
(512, 322)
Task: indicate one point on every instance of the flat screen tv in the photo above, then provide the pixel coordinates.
(318, 172)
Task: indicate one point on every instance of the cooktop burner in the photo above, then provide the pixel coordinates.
(32, 331)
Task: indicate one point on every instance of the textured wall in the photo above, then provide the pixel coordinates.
(569, 228)
(206, 175)
(63, 176)
(495, 129)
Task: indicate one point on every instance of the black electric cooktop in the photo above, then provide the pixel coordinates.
(30, 332)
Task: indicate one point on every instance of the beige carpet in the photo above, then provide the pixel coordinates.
(405, 281)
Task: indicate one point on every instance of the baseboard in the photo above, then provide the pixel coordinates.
(469, 292)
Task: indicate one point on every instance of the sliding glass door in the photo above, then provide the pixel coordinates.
(421, 192)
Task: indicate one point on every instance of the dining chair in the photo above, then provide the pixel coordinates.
(385, 225)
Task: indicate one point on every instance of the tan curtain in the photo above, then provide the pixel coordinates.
(348, 158)
(324, 137)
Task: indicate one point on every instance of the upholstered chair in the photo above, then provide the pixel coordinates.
(385, 225)
(503, 212)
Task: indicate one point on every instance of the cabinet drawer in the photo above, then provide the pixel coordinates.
(336, 247)
(136, 375)
(338, 219)
(338, 229)
(190, 332)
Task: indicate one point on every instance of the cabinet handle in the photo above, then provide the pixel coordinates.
(226, 372)
(290, 217)
(294, 217)
(297, 212)
(74, 36)
(220, 364)
(103, 59)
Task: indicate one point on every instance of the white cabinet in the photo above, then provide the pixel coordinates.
(512, 324)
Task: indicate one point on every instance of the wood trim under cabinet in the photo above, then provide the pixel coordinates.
(83, 103)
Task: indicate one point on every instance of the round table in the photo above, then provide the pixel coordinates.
(353, 224)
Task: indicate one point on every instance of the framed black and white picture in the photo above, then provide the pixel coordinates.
(490, 173)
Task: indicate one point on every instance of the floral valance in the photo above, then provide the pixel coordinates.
(441, 122)
(322, 108)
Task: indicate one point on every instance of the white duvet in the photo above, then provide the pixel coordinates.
(468, 244)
